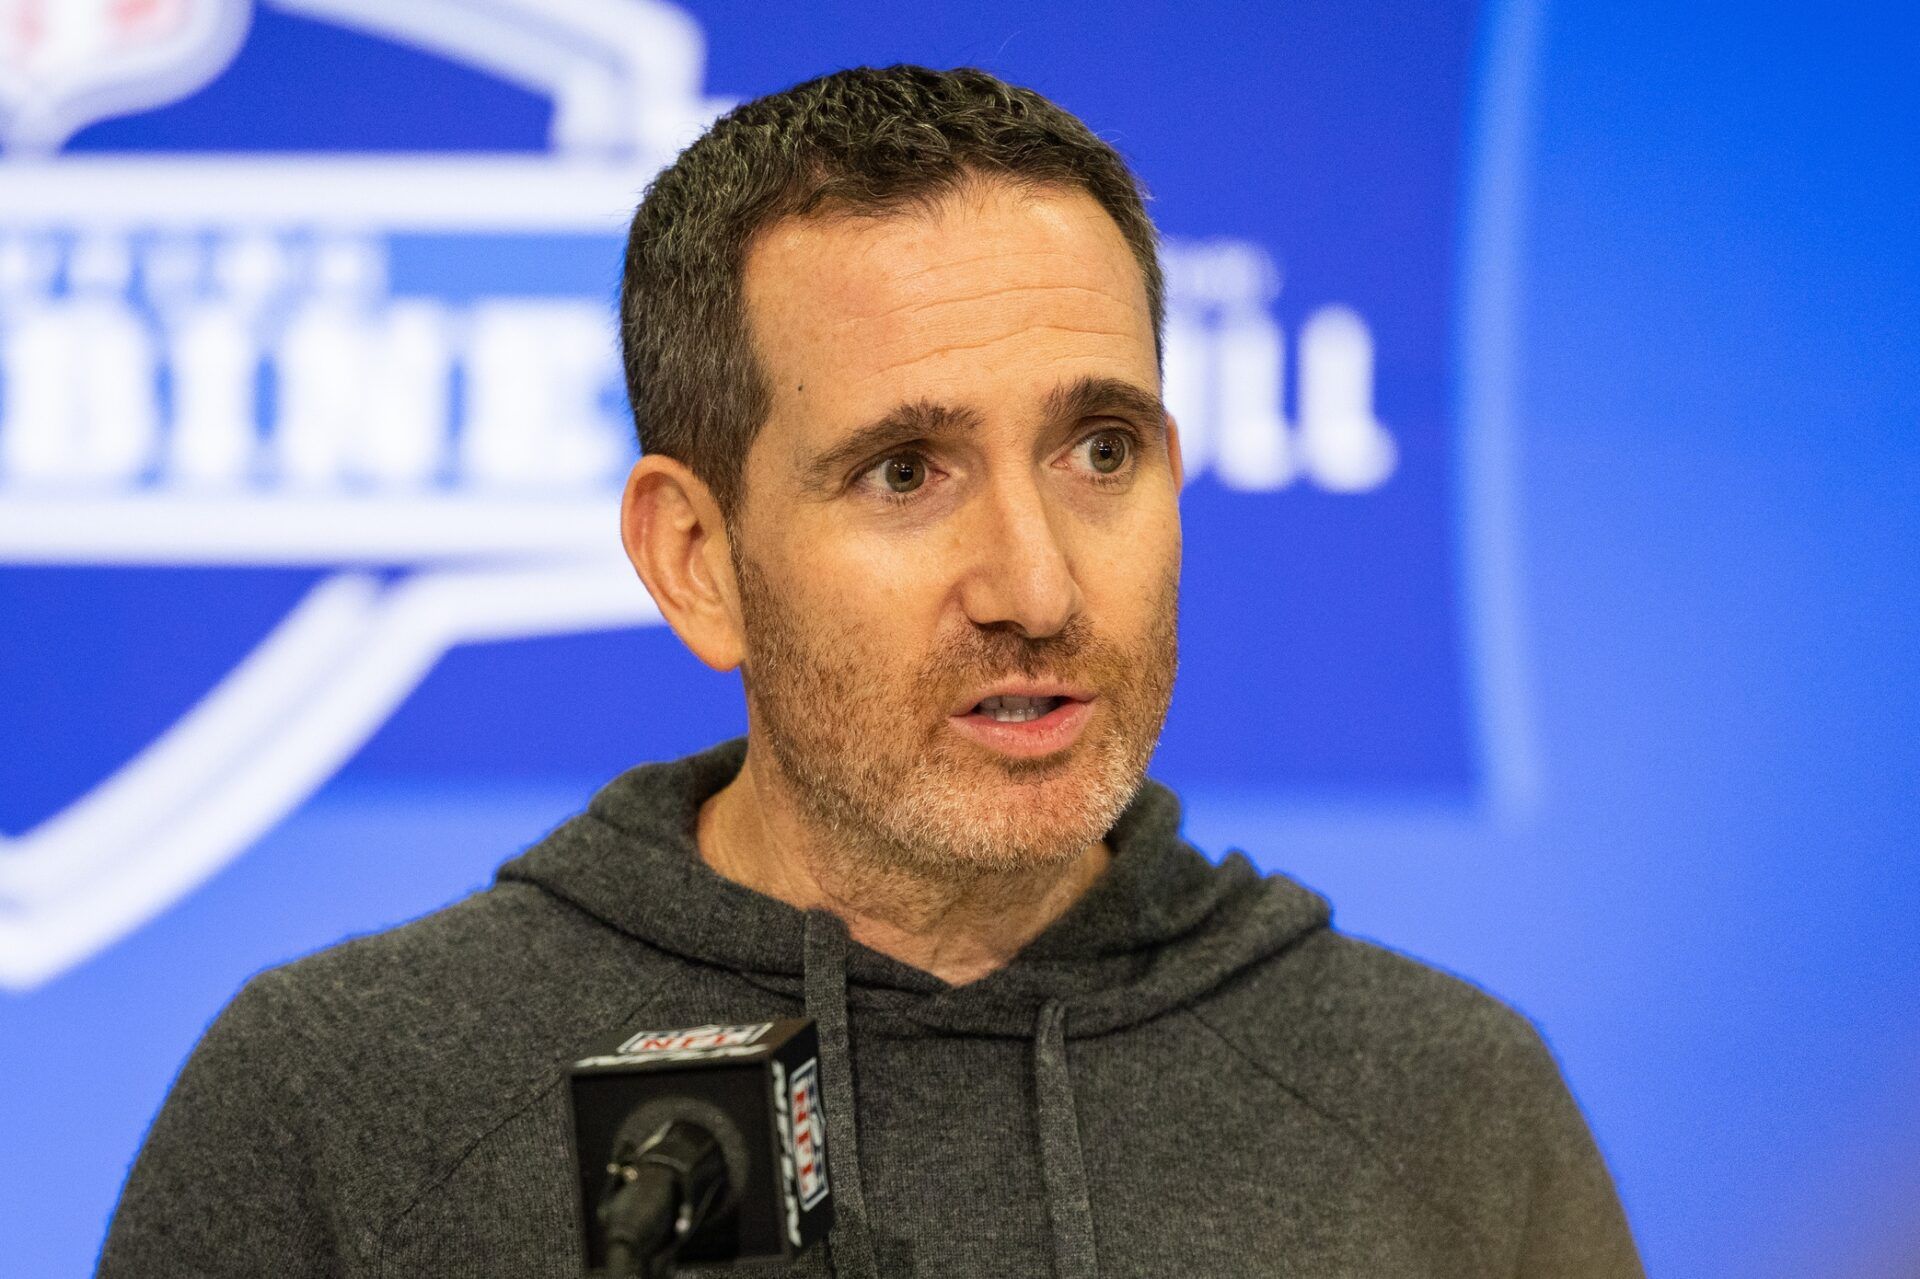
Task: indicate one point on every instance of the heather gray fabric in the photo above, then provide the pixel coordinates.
(1189, 1073)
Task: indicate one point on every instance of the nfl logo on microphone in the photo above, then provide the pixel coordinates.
(809, 1134)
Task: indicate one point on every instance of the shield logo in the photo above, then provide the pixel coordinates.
(144, 303)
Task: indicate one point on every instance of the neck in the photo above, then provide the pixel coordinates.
(957, 926)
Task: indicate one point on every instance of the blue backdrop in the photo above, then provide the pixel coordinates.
(1549, 597)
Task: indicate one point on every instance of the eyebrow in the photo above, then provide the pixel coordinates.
(1088, 397)
(921, 419)
(1066, 404)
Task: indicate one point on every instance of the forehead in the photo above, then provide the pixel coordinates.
(994, 294)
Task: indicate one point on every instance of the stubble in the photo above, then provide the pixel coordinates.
(864, 748)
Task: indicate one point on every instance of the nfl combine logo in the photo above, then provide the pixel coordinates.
(395, 374)
(348, 364)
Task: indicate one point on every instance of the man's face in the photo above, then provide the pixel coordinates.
(965, 490)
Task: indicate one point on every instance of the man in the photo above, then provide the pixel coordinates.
(892, 339)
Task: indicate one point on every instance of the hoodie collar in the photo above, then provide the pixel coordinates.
(1161, 927)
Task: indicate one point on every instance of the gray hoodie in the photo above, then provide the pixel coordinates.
(1189, 1073)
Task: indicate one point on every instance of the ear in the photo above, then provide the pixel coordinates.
(1173, 453)
(677, 542)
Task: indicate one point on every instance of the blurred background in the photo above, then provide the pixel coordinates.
(1547, 370)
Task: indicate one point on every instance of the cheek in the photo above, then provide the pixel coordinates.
(915, 564)
(1136, 587)
(1132, 547)
(879, 600)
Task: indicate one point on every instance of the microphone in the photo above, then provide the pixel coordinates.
(702, 1144)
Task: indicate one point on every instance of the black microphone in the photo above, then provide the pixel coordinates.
(702, 1144)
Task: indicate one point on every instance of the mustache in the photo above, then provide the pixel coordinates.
(982, 654)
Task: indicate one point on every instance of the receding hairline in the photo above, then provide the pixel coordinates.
(971, 183)
(976, 184)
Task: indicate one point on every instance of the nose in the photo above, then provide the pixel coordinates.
(1019, 574)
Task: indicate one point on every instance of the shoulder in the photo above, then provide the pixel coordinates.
(1335, 992)
(420, 1041)
(332, 1091)
(501, 944)
(500, 986)
(1424, 1071)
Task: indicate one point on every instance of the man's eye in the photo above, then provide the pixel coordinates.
(904, 473)
(1108, 451)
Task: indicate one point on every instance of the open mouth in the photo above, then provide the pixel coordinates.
(1017, 710)
(1025, 725)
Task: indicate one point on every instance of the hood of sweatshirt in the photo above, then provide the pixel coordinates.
(1160, 929)
(1163, 926)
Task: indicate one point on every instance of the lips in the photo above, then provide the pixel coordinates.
(1025, 720)
(1022, 694)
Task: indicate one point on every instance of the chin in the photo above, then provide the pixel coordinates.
(1022, 814)
(999, 850)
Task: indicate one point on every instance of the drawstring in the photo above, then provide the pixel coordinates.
(1061, 1164)
(825, 979)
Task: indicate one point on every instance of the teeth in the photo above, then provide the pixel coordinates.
(1016, 710)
